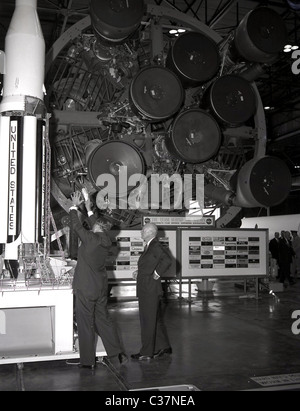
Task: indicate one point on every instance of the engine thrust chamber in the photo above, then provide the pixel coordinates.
(194, 136)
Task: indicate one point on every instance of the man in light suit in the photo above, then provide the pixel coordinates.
(152, 264)
(90, 287)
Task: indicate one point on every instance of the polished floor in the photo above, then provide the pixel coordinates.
(226, 339)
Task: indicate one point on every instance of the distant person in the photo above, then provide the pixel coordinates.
(285, 258)
(90, 287)
(289, 237)
(274, 246)
(152, 264)
(296, 248)
(274, 251)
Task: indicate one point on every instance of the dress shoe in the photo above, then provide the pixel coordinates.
(160, 353)
(78, 364)
(123, 359)
(140, 357)
(73, 361)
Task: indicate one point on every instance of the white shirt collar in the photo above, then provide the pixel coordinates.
(150, 241)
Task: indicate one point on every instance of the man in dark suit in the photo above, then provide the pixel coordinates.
(285, 258)
(152, 264)
(90, 287)
(274, 246)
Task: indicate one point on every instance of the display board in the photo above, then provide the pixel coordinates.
(128, 246)
(179, 221)
(223, 252)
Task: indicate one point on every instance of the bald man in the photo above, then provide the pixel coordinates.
(152, 264)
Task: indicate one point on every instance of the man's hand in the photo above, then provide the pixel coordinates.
(156, 276)
(76, 198)
(135, 274)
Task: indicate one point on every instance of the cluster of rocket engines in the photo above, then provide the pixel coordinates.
(157, 94)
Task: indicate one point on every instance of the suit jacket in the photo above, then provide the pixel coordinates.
(90, 273)
(285, 252)
(296, 246)
(274, 248)
(155, 258)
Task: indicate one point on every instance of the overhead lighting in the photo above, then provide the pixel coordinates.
(176, 32)
(289, 47)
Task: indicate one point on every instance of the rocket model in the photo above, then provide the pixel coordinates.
(23, 127)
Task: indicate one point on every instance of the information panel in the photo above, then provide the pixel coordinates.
(127, 248)
(223, 253)
(180, 221)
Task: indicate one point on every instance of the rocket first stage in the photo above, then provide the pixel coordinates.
(23, 131)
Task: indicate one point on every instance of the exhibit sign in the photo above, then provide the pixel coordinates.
(223, 253)
(127, 246)
(180, 221)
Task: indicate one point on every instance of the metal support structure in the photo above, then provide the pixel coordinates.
(227, 7)
(47, 172)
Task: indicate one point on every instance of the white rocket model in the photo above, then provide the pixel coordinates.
(22, 132)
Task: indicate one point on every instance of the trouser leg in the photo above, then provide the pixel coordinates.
(288, 272)
(106, 328)
(285, 273)
(281, 273)
(162, 340)
(148, 307)
(86, 331)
